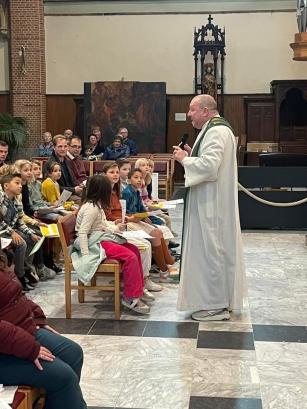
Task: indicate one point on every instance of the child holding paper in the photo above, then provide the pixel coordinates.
(134, 205)
(24, 167)
(91, 218)
(50, 187)
(114, 212)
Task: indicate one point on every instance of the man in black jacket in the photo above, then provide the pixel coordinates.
(67, 180)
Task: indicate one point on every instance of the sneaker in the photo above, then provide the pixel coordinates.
(154, 271)
(45, 273)
(212, 315)
(147, 296)
(166, 278)
(136, 305)
(151, 286)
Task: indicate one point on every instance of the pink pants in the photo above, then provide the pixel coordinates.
(129, 256)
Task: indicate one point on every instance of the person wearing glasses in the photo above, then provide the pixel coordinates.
(73, 154)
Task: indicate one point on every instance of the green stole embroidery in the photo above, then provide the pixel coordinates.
(215, 121)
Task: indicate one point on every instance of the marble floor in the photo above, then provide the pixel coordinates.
(167, 361)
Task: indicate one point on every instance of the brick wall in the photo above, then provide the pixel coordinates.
(28, 86)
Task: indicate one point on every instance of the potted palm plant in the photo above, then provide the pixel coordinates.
(14, 131)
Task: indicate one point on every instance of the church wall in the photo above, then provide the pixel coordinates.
(84, 48)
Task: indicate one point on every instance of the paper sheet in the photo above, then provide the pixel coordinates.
(138, 234)
(7, 396)
(5, 242)
(37, 246)
(124, 207)
(64, 197)
(51, 230)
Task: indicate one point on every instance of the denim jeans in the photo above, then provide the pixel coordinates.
(59, 378)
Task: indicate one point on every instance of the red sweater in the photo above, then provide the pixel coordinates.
(116, 210)
(18, 319)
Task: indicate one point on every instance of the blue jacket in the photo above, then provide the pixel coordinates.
(133, 199)
(112, 153)
(132, 146)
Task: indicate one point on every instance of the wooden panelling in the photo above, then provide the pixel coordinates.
(175, 129)
(4, 102)
(234, 113)
(61, 113)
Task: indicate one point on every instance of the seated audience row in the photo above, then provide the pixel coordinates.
(121, 147)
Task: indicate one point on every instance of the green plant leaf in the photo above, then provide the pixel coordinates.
(13, 130)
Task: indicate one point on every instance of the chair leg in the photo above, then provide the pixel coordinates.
(117, 293)
(94, 281)
(67, 292)
(80, 292)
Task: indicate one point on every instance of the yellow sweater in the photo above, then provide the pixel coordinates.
(50, 191)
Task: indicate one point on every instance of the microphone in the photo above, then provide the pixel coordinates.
(184, 139)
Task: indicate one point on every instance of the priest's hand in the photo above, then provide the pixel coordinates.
(187, 148)
(179, 154)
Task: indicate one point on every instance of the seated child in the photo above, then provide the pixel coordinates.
(24, 167)
(134, 205)
(91, 218)
(51, 189)
(114, 212)
(35, 194)
(12, 225)
(124, 169)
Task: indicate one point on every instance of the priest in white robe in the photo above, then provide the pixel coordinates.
(212, 266)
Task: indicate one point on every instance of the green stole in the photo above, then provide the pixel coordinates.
(215, 121)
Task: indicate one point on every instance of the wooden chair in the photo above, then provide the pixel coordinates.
(163, 168)
(99, 164)
(26, 397)
(88, 166)
(66, 226)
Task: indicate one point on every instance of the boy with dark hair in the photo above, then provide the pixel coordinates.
(12, 225)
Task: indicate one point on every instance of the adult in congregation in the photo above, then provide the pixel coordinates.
(212, 273)
(68, 133)
(93, 149)
(67, 180)
(73, 154)
(45, 149)
(31, 352)
(4, 150)
(123, 132)
(116, 150)
(96, 130)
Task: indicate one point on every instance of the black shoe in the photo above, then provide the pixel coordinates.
(25, 287)
(53, 267)
(173, 245)
(32, 278)
(57, 269)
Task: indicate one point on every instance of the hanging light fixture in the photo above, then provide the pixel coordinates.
(299, 46)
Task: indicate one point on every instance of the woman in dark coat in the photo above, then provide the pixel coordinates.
(31, 352)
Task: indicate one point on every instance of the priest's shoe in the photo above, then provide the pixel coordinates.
(212, 315)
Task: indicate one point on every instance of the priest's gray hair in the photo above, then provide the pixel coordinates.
(207, 101)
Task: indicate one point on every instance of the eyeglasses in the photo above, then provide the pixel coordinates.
(76, 146)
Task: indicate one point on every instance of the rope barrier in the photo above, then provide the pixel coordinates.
(267, 202)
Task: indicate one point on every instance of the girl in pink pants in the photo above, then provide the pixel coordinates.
(91, 218)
